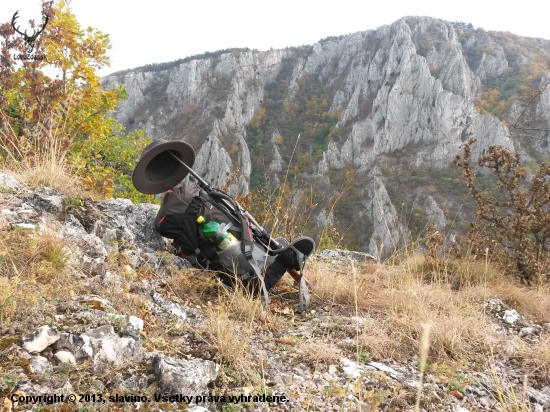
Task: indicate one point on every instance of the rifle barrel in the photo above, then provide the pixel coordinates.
(206, 186)
(202, 182)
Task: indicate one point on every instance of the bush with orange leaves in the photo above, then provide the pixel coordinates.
(519, 223)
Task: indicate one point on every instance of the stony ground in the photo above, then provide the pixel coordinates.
(111, 317)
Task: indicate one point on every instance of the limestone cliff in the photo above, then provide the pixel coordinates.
(402, 97)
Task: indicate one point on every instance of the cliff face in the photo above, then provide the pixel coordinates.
(377, 103)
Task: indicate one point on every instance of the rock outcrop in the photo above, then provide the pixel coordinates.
(144, 345)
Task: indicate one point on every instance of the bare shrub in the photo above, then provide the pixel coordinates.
(520, 222)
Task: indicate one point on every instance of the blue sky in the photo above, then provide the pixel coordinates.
(145, 31)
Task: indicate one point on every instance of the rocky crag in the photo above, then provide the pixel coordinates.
(391, 105)
(118, 327)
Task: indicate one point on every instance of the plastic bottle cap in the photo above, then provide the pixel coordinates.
(200, 219)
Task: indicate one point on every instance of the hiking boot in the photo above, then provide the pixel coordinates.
(290, 259)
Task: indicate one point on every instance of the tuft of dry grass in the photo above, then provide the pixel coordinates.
(537, 358)
(34, 270)
(230, 326)
(49, 169)
(458, 273)
(8, 303)
(316, 353)
(531, 302)
(53, 173)
(192, 284)
(53, 250)
(40, 164)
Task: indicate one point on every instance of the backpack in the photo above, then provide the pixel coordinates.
(252, 260)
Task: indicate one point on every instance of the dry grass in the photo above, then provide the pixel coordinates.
(537, 358)
(530, 302)
(8, 303)
(53, 173)
(38, 163)
(193, 285)
(230, 326)
(34, 271)
(396, 300)
(316, 353)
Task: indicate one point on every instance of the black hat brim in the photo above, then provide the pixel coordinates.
(157, 171)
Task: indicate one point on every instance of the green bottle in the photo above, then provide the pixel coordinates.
(209, 229)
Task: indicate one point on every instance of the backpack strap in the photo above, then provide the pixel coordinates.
(247, 238)
(189, 224)
(303, 290)
(302, 249)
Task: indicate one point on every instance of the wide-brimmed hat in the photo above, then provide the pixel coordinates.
(157, 171)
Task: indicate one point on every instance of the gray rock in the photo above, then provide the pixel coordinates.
(100, 345)
(47, 201)
(74, 344)
(66, 389)
(40, 339)
(541, 397)
(9, 182)
(135, 383)
(488, 402)
(529, 331)
(511, 316)
(435, 214)
(163, 306)
(103, 345)
(389, 232)
(354, 369)
(90, 250)
(133, 327)
(183, 376)
(112, 281)
(93, 300)
(64, 356)
(40, 365)
(346, 254)
(496, 305)
(392, 373)
(31, 389)
(134, 223)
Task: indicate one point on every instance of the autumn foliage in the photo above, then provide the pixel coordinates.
(54, 105)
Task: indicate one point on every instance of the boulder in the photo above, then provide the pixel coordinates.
(47, 201)
(183, 376)
(103, 345)
(134, 223)
(40, 365)
(40, 339)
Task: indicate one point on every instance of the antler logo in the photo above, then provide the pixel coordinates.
(29, 39)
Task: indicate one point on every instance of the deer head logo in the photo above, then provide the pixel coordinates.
(29, 39)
